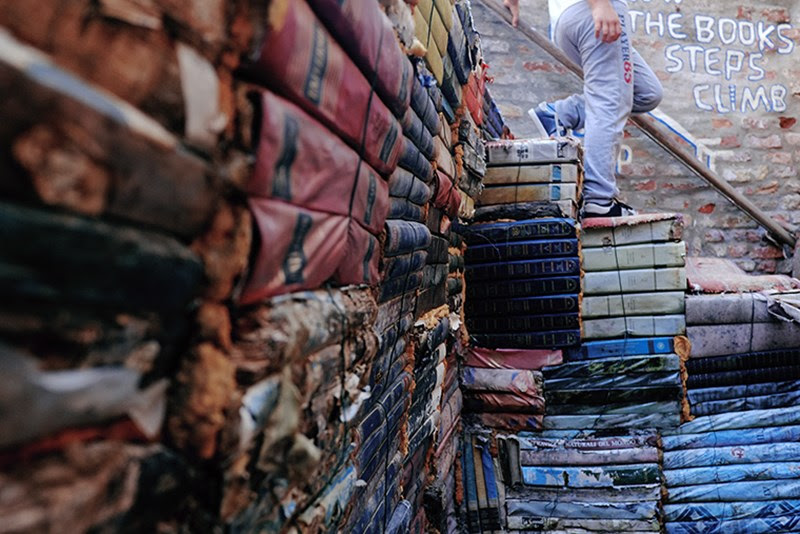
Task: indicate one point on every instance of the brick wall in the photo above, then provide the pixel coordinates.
(754, 145)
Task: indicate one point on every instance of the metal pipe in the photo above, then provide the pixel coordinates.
(650, 128)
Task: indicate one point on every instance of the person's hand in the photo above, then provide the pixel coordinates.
(513, 6)
(607, 26)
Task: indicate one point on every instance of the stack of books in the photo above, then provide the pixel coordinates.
(533, 173)
(635, 277)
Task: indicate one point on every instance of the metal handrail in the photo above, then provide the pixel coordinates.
(651, 129)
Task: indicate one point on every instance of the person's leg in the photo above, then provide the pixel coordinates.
(647, 94)
(608, 94)
(647, 89)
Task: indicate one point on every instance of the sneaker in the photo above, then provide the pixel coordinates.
(547, 117)
(612, 208)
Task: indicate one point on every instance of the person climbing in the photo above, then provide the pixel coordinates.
(617, 82)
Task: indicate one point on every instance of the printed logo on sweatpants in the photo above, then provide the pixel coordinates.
(627, 64)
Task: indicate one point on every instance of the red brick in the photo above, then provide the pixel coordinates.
(767, 252)
(782, 158)
(778, 15)
(730, 141)
(714, 236)
(649, 185)
(787, 122)
(707, 208)
(737, 251)
(721, 123)
(767, 266)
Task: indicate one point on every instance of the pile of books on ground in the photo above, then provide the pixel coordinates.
(581, 484)
(733, 468)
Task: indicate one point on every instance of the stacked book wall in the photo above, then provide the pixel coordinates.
(733, 468)
(256, 316)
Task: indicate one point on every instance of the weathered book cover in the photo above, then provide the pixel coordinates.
(635, 280)
(645, 256)
(785, 523)
(582, 457)
(744, 362)
(648, 228)
(302, 162)
(720, 340)
(512, 358)
(524, 306)
(507, 194)
(501, 380)
(584, 477)
(403, 184)
(523, 269)
(581, 510)
(366, 34)
(751, 516)
(316, 75)
(740, 378)
(645, 326)
(760, 468)
(607, 422)
(727, 308)
(404, 237)
(531, 151)
(740, 420)
(524, 230)
(745, 436)
(533, 174)
(736, 491)
(527, 210)
(614, 366)
(648, 407)
(718, 275)
(627, 304)
(521, 250)
(750, 402)
(524, 288)
(549, 523)
(742, 391)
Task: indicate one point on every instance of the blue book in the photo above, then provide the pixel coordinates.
(527, 323)
(523, 269)
(502, 232)
(730, 511)
(470, 486)
(401, 265)
(412, 160)
(492, 514)
(522, 306)
(521, 250)
(533, 340)
(404, 237)
(592, 350)
(765, 525)
(524, 288)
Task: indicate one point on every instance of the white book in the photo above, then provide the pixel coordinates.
(615, 231)
(516, 151)
(634, 280)
(661, 303)
(634, 256)
(646, 326)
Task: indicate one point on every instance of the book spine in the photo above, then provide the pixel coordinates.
(524, 306)
(543, 340)
(505, 194)
(666, 303)
(634, 257)
(553, 228)
(520, 250)
(524, 288)
(524, 269)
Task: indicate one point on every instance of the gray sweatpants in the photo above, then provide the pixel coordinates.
(616, 81)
